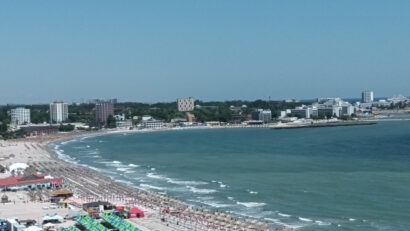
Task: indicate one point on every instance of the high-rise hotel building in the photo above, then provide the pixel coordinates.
(58, 112)
(186, 104)
(103, 110)
(20, 116)
(367, 96)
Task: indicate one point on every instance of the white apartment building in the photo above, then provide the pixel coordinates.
(262, 115)
(330, 107)
(152, 123)
(186, 104)
(58, 112)
(302, 112)
(367, 96)
(20, 116)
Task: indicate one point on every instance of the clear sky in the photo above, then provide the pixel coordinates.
(151, 51)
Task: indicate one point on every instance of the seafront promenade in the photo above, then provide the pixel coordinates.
(88, 185)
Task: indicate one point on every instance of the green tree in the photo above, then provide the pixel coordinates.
(66, 128)
(111, 122)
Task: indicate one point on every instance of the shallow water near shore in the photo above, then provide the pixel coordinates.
(338, 178)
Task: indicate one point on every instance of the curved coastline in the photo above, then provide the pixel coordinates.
(50, 146)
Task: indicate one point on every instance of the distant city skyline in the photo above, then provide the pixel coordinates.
(145, 51)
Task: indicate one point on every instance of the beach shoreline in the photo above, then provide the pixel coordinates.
(88, 184)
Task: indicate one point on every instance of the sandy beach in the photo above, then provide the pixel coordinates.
(89, 185)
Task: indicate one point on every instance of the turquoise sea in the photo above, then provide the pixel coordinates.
(338, 178)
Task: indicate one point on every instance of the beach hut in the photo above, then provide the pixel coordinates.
(94, 208)
(59, 196)
(4, 198)
(135, 213)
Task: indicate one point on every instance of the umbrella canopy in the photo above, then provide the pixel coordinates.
(260, 224)
(18, 166)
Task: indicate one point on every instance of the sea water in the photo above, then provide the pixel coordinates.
(336, 178)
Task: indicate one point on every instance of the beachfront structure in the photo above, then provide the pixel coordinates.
(398, 99)
(190, 117)
(58, 112)
(185, 105)
(332, 107)
(28, 182)
(302, 112)
(124, 124)
(13, 224)
(39, 129)
(152, 123)
(262, 115)
(102, 111)
(20, 116)
(323, 108)
(367, 96)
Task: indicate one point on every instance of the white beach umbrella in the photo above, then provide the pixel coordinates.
(260, 224)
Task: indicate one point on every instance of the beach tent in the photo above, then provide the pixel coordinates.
(18, 167)
(135, 213)
(47, 218)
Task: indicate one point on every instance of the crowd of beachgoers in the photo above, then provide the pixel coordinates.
(162, 212)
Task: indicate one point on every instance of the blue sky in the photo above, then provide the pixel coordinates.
(150, 51)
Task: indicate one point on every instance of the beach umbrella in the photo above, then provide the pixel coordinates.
(221, 218)
(260, 224)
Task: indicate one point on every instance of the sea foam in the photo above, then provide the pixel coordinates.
(151, 187)
(251, 204)
(283, 215)
(304, 219)
(200, 191)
